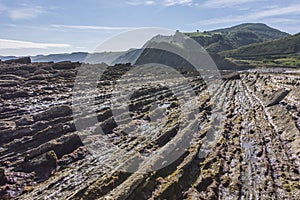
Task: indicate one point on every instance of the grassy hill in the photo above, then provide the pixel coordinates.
(287, 45)
(236, 36)
(262, 31)
(283, 52)
(165, 52)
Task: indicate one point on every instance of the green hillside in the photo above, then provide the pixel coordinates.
(262, 31)
(283, 52)
(287, 45)
(236, 36)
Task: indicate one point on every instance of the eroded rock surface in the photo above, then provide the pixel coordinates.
(254, 151)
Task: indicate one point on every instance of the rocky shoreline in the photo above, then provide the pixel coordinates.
(43, 156)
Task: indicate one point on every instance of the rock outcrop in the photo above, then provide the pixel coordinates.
(277, 96)
(24, 60)
(2, 177)
(191, 143)
(43, 165)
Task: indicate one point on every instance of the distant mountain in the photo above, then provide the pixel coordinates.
(236, 36)
(75, 57)
(4, 58)
(92, 58)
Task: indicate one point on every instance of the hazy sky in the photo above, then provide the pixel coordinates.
(54, 26)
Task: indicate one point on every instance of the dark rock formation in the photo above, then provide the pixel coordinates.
(64, 65)
(2, 177)
(43, 165)
(24, 60)
(108, 126)
(235, 146)
(54, 112)
(231, 76)
(277, 96)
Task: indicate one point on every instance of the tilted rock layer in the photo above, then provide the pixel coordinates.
(255, 139)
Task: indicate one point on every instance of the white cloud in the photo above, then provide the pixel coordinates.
(288, 25)
(165, 3)
(226, 3)
(141, 2)
(282, 20)
(16, 44)
(177, 2)
(292, 9)
(97, 28)
(150, 3)
(288, 10)
(25, 12)
(22, 11)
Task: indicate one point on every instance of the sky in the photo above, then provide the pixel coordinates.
(32, 27)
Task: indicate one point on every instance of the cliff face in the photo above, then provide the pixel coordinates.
(253, 152)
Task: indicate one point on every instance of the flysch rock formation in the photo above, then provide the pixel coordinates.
(255, 155)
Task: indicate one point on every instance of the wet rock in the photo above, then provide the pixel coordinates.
(66, 145)
(6, 90)
(46, 67)
(7, 124)
(25, 60)
(43, 165)
(24, 121)
(108, 126)
(2, 177)
(21, 72)
(78, 154)
(61, 146)
(50, 132)
(40, 71)
(59, 111)
(64, 65)
(17, 183)
(65, 74)
(39, 77)
(11, 77)
(30, 68)
(9, 83)
(277, 96)
(205, 183)
(18, 94)
(291, 107)
(35, 82)
(35, 126)
(232, 76)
